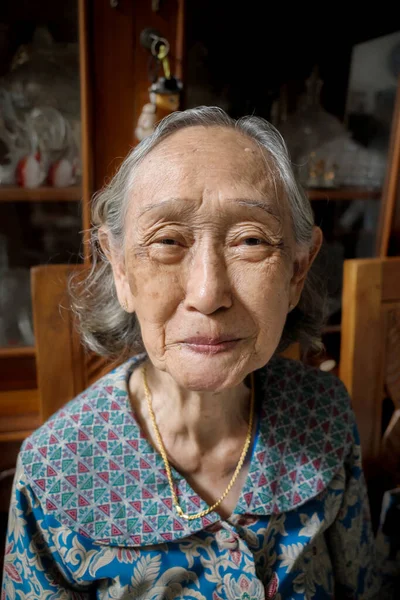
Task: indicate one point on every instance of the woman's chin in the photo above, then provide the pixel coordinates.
(208, 372)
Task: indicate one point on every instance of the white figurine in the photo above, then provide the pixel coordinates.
(146, 122)
(61, 173)
(30, 172)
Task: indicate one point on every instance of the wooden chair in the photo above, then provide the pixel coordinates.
(64, 368)
(370, 356)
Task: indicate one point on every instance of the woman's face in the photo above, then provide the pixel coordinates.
(209, 264)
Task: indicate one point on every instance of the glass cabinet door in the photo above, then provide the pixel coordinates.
(40, 154)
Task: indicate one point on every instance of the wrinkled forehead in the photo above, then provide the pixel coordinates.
(198, 159)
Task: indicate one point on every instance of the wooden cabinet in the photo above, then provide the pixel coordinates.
(112, 82)
(42, 223)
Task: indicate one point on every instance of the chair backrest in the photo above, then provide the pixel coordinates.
(64, 368)
(370, 349)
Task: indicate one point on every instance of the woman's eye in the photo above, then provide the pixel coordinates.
(169, 242)
(253, 241)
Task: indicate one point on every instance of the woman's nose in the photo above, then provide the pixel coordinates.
(208, 287)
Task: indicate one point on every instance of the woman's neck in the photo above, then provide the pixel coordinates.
(198, 421)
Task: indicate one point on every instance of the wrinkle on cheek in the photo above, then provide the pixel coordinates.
(133, 283)
(281, 268)
(140, 279)
(136, 257)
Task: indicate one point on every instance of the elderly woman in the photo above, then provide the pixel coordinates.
(206, 466)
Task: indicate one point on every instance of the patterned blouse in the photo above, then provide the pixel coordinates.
(92, 517)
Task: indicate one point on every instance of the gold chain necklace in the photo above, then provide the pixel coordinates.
(168, 468)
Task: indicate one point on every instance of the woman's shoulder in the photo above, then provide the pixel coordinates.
(90, 469)
(294, 380)
(306, 435)
(97, 415)
(306, 404)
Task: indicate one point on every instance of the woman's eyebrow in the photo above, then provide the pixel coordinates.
(263, 205)
(185, 204)
(169, 202)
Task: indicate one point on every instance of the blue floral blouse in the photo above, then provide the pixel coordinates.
(92, 517)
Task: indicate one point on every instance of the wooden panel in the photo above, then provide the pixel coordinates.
(8, 458)
(361, 352)
(370, 344)
(15, 424)
(113, 79)
(120, 73)
(16, 435)
(166, 21)
(59, 355)
(392, 363)
(18, 372)
(19, 414)
(16, 351)
(180, 41)
(391, 445)
(292, 351)
(96, 366)
(394, 247)
(391, 280)
(18, 402)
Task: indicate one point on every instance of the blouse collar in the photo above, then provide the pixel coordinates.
(95, 472)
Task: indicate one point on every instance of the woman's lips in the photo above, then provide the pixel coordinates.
(206, 345)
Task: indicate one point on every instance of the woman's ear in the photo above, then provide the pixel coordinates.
(303, 261)
(116, 258)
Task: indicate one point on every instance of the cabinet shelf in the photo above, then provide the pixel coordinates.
(336, 328)
(19, 414)
(16, 351)
(40, 194)
(68, 194)
(348, 193)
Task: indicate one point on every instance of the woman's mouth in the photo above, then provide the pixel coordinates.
(207, 345)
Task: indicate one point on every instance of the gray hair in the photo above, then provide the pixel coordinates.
(110, 331)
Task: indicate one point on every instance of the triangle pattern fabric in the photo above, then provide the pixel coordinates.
(94, 471)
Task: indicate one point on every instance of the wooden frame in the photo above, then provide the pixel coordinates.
(58, 347)
(64, 367)
(371, 287)
(86, 124)
(391, 185)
